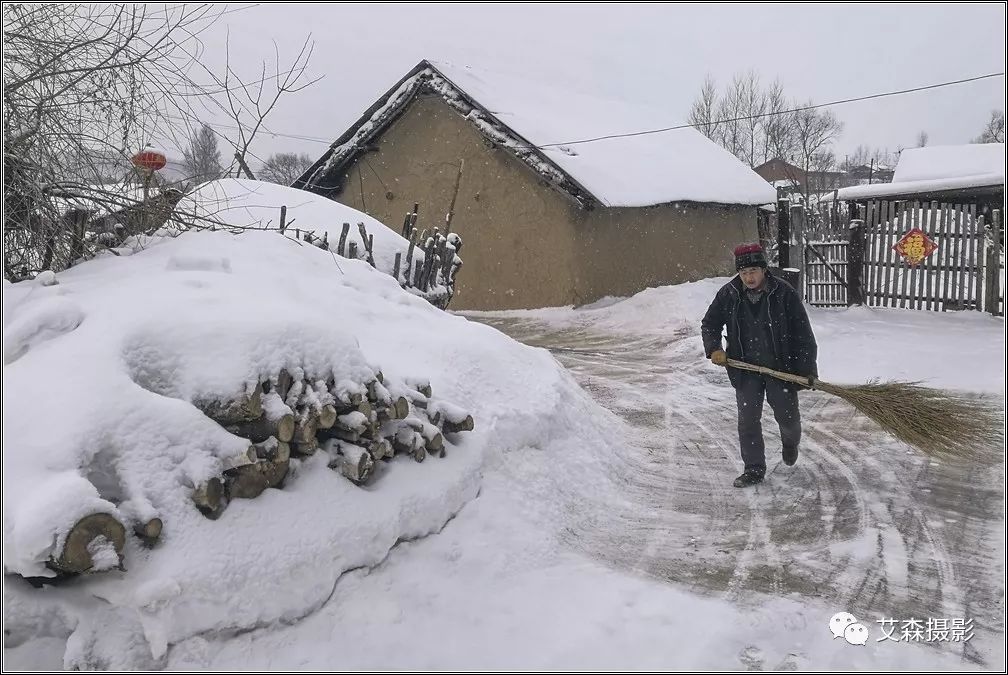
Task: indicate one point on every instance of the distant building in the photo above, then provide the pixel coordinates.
(868, 174)
(791, 178)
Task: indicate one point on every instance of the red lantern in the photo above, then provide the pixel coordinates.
(150, 160)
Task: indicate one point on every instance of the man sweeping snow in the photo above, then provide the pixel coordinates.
(767, 326)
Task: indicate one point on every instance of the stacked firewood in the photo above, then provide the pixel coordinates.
(433, 277)
(355, 424)
(286, 416)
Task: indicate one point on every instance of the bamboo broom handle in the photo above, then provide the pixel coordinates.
(788, 377)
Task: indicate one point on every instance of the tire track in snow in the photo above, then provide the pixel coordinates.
(848, 523)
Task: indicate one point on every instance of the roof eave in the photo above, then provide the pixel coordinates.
(568, 186)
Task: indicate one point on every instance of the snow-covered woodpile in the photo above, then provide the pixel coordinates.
(289, 415)
(430, 275)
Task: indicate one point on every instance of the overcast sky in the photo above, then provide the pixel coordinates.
(655, 54)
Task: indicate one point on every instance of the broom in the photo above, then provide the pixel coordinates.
(936, 421)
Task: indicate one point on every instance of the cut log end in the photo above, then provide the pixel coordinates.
(242, 459)
(246, 482)
(211, 498)
(245, 408)
(327, 416)
(150, 531)
(95, 543)
(275, 472)
(305, 448)
(436, 444)
(401, 408)
(380, 449)
(465, 425)
(285, 428)
(355, 462)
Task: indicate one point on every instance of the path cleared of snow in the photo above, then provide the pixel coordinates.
(860, 524)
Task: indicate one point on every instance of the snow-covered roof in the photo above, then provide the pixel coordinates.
(538, 123)
(938, 169)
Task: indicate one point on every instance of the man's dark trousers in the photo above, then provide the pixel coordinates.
(783, 399)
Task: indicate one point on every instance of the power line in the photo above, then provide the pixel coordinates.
(752, 117)
(261, 131)
(315, 139)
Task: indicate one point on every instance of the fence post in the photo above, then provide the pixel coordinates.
(992, 297)
(855, 263)
(798, 222)
(783, 233)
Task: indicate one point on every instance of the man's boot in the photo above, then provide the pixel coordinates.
(751, 476)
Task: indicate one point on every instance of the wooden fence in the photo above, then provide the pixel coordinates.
(950, 277)
(963, 270)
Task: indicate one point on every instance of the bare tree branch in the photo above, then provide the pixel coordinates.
(994, 131)
(85, 87)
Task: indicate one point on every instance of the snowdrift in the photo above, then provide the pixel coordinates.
(102, 366)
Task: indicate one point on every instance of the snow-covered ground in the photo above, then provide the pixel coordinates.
(520, 549)
(959, 350)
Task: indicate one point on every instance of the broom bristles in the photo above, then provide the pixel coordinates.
(940, 423)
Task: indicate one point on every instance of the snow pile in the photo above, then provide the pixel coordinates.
(255, 204)
(99, 372)
(251, 204)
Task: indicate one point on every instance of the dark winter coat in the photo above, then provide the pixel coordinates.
(794, 344)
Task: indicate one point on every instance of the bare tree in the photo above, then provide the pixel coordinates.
(753, 106)
(85, 87)
(285, 167)
(730, 109)
(994, 131)
(757, 124)
(821, 165)
(703, 113)
(859, 157)
(814, 131)
(922, 139)
(202, 158)
(778, 124)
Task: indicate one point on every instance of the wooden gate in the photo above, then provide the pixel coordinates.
(826, 273)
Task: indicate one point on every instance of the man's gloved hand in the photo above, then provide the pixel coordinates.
(810, 379)
(719, 358)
